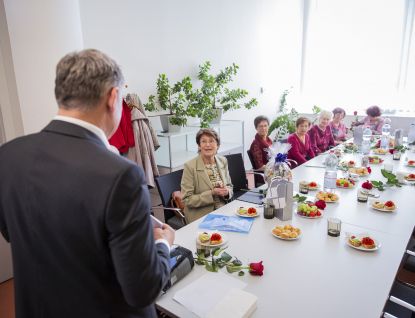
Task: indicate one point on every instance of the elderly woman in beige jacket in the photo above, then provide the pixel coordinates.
(206, 185)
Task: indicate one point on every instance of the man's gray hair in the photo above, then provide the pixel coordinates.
(84, 78)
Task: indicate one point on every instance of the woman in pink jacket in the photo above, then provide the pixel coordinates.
(300, 143)
(320, 134)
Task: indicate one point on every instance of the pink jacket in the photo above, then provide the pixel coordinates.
(299, 151)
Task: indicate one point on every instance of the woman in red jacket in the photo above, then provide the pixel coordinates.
(300, 143)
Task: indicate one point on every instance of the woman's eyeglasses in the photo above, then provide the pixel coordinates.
(205, 142)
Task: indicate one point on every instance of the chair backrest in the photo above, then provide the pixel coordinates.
(251, 158)
(166, 185)
(237, 173)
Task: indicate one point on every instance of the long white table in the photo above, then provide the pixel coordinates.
(317, 275)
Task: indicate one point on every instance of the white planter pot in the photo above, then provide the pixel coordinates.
(167, 126)
(216, 121)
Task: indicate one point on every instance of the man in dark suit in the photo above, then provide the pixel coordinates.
(77, 215)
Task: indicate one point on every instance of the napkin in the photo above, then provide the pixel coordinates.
(236, 304)
(203, 294)
(359, 236)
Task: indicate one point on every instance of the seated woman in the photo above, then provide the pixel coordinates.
(260, 143)
(206, 185)
(320, 135)
(300, 143)
(338, 129)
(372, 120)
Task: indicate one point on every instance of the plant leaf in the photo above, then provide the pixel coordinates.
(241, 273)
(237, 262)
(218, 251)
(215, 249)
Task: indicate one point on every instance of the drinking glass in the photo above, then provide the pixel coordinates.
(334, 227)
(365, 161)
(388, 167)
(362, 195)
(268, 211)
(396, 155)
(203, 248)
(304, 187)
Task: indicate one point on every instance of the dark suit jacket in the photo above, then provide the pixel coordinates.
(77, 218)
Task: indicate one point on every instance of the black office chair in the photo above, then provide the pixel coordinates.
(237, 173)
(259, 180)
(166, 185)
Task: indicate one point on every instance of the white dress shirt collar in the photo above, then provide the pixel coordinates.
(96, 130)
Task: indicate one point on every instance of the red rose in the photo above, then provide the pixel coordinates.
(355, 113)
(367, 185)
(320, 204)
(369, 170)
(256, 268)
(391, 151)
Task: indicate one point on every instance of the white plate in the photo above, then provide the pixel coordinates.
(246, 215)
(406, 164)
(314, 189)
(371, 201)
(224, 237)
(360, 175)
(310, 217)
(286, 239)
(379, 153)
(361, 248)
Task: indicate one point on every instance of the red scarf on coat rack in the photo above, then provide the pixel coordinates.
(124, 136)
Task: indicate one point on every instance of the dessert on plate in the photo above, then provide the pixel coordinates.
(345, 183)
(215, 239)
(242, 211)
(378, 205)
(327, 196)
(368, 243)
(359, 171)
(354, 241)
(411, 176)
(252, 212)
(313, 185)
(286, 232)
(389, 205)
(411, 163)
(204, 237)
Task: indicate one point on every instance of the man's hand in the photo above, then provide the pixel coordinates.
(166, 233)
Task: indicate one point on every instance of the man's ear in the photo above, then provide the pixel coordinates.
(112, 98)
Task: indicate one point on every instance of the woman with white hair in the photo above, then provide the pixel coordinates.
(321, 137)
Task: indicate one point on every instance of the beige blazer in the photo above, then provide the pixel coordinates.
(196, 187)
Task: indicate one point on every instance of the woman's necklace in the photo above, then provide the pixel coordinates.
(302, 138)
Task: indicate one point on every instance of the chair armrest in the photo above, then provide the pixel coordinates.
(410, 253)
(178, 212)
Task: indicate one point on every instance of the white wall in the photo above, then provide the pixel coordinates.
(173, 37)
(41, 33)
(34, 36)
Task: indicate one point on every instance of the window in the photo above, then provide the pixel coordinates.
(357, 54)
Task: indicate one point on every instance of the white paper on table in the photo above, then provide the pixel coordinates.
(236, 304)
(359, 236)
(206, 292)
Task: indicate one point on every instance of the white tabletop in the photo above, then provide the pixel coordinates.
(316, 275)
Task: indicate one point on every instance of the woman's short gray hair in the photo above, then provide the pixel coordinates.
(83, 78)
(259, 119)
(326, 113)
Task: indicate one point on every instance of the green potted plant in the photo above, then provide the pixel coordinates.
(285, 123)
(172, 99)
(213, 98)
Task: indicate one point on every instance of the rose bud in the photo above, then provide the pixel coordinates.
(355, 113)
(321, 204)
(367, 185)
(256, 268)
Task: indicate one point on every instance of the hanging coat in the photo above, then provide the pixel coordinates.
(143, 152)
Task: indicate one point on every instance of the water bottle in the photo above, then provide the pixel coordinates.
(330, 176)
(367, 135)
(411, 133)
(386, 131)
